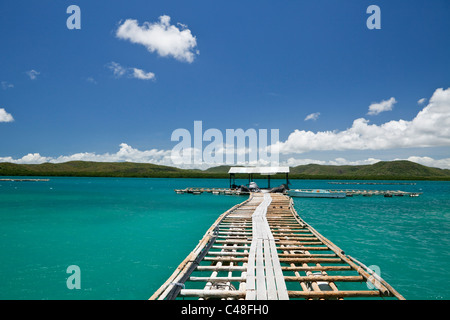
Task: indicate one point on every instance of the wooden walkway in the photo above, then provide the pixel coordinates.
(261, 249)
(348, 192)
(264, 275)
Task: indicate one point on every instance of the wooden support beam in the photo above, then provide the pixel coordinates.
(211, 293)
(318, 268)
(221, 268)
(217, 279)
(333, 294)
(312, 260)
(316, 278)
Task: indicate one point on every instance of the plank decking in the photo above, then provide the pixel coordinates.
(262, 250)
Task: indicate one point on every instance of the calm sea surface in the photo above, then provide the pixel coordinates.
(128, 235)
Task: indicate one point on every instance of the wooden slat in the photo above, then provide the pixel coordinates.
(221, 268)
(228, 259)
(318, 268)
(312, 260)
(281, 285)
(261, 292)
(326, 278)
(211, 293)
(306, 255)
(217, 279)
(333, 294)
(224, 253)
(270, 275)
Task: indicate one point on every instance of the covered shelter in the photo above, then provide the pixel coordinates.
(264, 171)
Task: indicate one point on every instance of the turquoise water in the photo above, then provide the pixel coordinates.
(128, 235)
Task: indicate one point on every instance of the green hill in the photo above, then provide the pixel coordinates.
(388, 170)
(94, 169)
(401, 169)
(395, 169)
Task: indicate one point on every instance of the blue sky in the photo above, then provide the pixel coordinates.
(255, 64)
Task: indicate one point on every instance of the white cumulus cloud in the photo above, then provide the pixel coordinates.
(120, 71)
(293, 162)
(6, 85)
(421, 101)
(161, 37)
(426, 161)
(430, 162)
(385, 105)
(5, 116)
(141, 74)
(117, 69)
(32, 74)
(312, 116)
(126, 153)
(430, 128)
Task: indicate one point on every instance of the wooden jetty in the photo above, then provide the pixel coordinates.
(261, 249)
(376, 183)
(370, 192)
(348, 192)
(25, 180)
(212, 190)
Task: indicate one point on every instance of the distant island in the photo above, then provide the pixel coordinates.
(383, 170)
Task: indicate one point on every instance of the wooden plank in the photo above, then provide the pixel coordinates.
(279, 279)
(220, 253)
(221, 268)
(217, 279)
(278, 241)
(325, 278)
(250, 295)
(240, 247)
(270, 275)
(318, 268)
(303, 248)
(261, 292)
(211, 293)
(229, 259)
(228, 241)
(333, 294)
(312, 260)
(306, 255)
